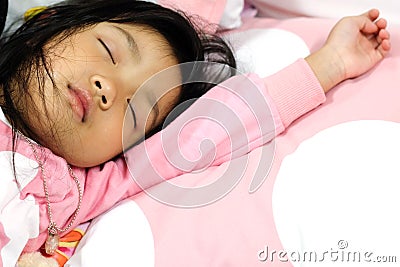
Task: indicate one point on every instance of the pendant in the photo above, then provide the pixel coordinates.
(51, 244)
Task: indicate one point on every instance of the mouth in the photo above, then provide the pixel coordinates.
(80, 101)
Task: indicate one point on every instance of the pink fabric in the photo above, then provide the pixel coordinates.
(233, 230)
(294, 89)
(4, 240)
(285, 9)
(209, 10)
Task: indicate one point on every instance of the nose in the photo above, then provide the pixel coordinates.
(105, 90)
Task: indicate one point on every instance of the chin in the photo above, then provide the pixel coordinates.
(86, 161)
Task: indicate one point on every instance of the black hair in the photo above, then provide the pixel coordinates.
(23, 57)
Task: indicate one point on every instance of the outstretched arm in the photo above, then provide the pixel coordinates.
(354, 45)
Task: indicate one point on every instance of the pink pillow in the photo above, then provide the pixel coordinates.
(219, 13)
(282, 9)
(211, 10)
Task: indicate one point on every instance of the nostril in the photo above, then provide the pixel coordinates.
(104, 99)
(98, 84)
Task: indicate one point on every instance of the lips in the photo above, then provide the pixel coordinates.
(80, 101)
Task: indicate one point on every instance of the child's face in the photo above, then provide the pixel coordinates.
(96, 72)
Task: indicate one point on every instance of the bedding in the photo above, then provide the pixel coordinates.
(330, 193)
(284, 9)
(223, 14)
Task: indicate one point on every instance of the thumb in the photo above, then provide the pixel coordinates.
(366, 21)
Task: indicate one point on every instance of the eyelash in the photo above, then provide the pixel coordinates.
(133, 113)
(108, 51)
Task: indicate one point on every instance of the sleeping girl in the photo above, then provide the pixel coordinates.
(67, 77)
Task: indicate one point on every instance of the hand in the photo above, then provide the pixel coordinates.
(354, 45)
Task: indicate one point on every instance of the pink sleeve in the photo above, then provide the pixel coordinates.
(230, 120)
(295, 90)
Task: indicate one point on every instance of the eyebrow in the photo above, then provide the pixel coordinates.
(132, 45)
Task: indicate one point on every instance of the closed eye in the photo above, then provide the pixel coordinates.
(108, 51)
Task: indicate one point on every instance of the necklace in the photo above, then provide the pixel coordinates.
(53, 238)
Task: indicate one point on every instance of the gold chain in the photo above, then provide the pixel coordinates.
(53, 230)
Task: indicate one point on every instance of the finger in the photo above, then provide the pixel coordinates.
(381, 23)
(372, 14)
(384, 45)
(369, 22)
(384, 48)
(382, 35)
(373, 39)
(367, 26)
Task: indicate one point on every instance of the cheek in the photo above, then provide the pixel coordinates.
(166, 104)
(47, 114)
(95, 152)
(92, 146)
(108, 139)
